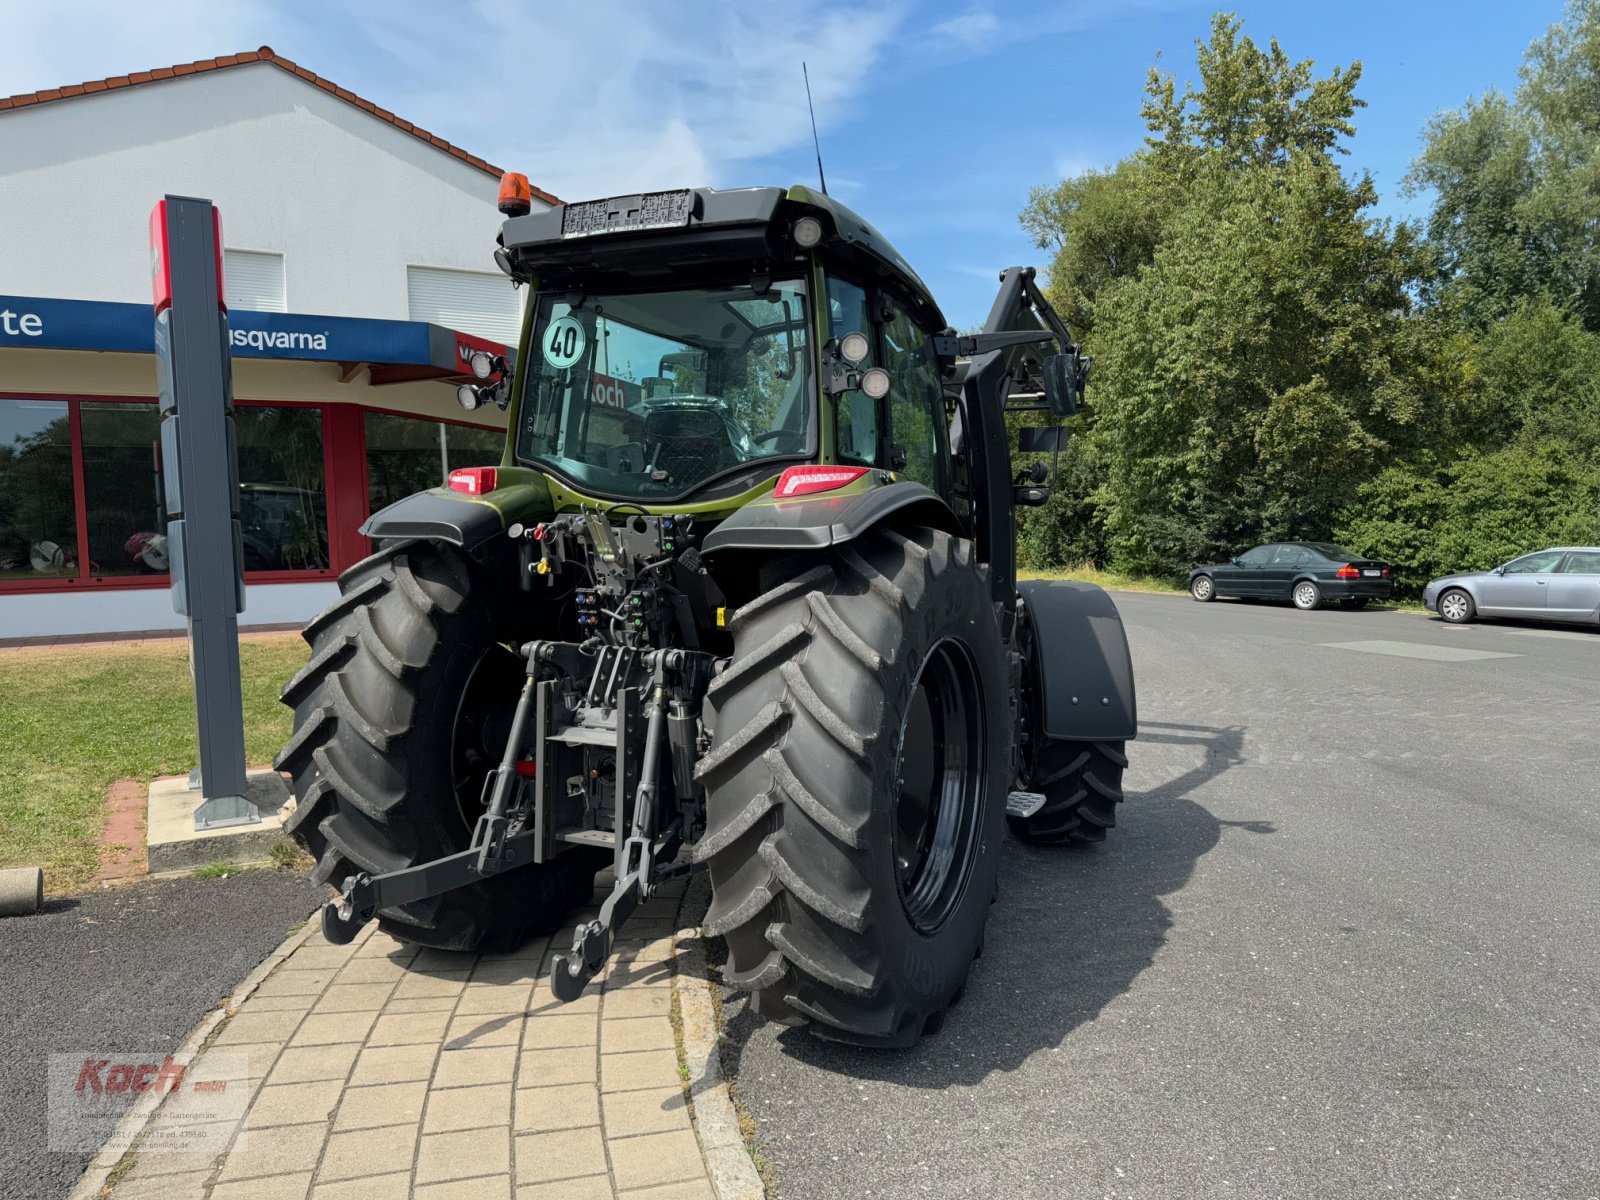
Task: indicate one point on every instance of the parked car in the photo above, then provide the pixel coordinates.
(1304, 573)
(1558, 584)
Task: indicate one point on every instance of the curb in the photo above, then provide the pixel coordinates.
(92, 1183)
(716, 1125)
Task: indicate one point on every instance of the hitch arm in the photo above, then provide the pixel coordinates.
(489, 852)
(592, 942)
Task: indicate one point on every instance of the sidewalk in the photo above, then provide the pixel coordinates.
(380, 1071)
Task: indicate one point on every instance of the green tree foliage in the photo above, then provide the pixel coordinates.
(1273, 363)
(1517, 182)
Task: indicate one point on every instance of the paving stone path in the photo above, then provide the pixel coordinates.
(377, 1070)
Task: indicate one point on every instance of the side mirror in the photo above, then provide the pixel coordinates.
(1064, 377)
(1499, 570)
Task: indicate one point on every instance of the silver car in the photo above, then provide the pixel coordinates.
(1559, 584)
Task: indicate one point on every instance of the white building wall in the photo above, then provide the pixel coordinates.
(147, 610)
(347, 198)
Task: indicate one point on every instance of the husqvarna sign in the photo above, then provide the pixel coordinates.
(41, 323)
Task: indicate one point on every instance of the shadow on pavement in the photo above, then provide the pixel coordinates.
(1071, 931)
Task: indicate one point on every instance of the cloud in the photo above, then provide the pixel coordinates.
(976, 29)
(588, 98)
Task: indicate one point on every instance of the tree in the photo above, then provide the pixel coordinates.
(1517, 211)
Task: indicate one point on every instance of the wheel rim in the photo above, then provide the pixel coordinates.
(1305, 595)
(939, 767)
(482, 725)
(1454, 607)
(1202, 587)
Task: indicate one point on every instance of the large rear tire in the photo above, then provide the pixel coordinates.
(855, 786)
(399, 715)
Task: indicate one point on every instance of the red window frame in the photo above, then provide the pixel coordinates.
(345, 487)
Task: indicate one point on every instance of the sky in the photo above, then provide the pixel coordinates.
(936, 117)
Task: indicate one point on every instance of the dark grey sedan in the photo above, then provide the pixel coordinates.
(1304, 573)
(1558, 584)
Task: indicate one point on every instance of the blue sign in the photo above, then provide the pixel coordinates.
(45, 324)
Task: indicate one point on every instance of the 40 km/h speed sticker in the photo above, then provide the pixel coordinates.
(564, 341)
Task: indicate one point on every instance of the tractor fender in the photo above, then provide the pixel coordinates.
(469, 522)
(816, 522)
(1085, 669)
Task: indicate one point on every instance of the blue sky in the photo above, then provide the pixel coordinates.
(936, 117)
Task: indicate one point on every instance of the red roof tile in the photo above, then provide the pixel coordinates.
(267, 55)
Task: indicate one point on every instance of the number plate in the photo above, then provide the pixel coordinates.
(1373, 574)
(627, 214)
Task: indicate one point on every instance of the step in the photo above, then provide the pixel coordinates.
(587, 837)
(586, 735)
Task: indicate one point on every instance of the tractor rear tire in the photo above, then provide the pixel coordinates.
(1082, 785)
(385, 772)
(852, 883)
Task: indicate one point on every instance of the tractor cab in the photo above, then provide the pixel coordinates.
(694, 344)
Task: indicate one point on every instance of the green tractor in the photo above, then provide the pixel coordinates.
(740, 595)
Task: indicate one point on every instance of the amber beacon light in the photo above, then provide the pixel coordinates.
(516, 197)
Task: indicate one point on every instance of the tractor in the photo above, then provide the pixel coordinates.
(739, 596)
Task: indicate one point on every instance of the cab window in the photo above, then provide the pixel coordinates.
(1581, 564)
(855, 414)
(917, 425)
(1259, 557)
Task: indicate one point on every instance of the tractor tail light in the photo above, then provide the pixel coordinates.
(474, 481)
(812, 478)
(1348, 572)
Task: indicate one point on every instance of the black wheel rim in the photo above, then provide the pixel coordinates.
(940, 766)
(482, 725)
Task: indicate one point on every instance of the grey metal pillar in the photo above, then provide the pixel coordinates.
(201, 483)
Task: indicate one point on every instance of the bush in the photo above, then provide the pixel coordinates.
(1474, 514)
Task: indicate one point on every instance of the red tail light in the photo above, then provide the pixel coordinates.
(813, 478)
(1348, 572)
(474, 481)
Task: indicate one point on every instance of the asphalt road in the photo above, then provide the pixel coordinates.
(1345, 942)
(122, 973)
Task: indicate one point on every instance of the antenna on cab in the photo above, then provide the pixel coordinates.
(821, 178)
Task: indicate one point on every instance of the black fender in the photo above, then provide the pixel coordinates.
(816, 522)
(438, 515)
(1085, 669)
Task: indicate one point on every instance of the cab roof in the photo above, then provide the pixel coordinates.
(662, 233)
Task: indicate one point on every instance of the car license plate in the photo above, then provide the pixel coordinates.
(1372, 574)
(627, 214)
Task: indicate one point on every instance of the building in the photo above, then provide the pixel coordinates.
(358, 273)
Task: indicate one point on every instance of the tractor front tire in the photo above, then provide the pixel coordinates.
(1082, 786)
(395, 720)
(855, 786)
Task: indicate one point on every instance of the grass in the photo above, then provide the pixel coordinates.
(217, 870)
(74, 721)
(1089, 573)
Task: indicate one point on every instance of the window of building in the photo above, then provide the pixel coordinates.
(253, 279)
(122, 488)
(412, 454)
(479, 302)
(38, 516)
(283, 512)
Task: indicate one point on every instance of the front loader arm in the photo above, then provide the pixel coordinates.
(1022, 343)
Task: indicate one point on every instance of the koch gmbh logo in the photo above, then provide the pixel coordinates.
(180, 1104)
